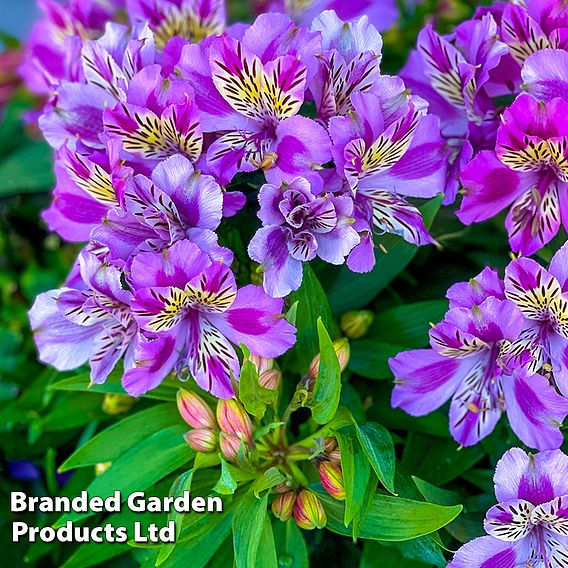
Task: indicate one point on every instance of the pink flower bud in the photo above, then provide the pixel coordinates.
(308, 511)
(261, 363)
(230, 445)
(202, 440)
(270, 379)
(283, 505)
(194, 410)
(342, 350)
(233, 419)
(334, 456)
(331, 478)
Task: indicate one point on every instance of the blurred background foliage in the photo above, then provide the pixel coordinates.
(41, 425)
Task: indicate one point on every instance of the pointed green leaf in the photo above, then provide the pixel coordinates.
(378, 445)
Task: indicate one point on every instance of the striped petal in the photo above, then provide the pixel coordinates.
(552, 515)
(212, 291)
(160, 309)
(509, 521)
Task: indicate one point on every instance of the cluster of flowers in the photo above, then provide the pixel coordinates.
(150, 129)
(231, 432)
(502, 347)
(507, 50)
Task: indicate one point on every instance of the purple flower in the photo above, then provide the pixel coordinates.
(253, 105)
(191, 314)
(158, 119)
(454, 74)
(542, 297)
(381, 13)
(481, 358)
(191, 20)
(529, 525)
(388, 149)
(545, 74)
(297, 227)
(527, 170)
(177, 203)
(93, 323)
(349, 63)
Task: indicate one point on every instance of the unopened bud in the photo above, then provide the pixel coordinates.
(233, 419)
(342, 351)
(261, 363)
(270, 379)
(329, 444)
(334, 456)
(308, 511)
(283, 505)
(202, 440)
(194, 410)
(355, 324)
(230, 445)
(114, 404)
(331, 478)
(100, 468)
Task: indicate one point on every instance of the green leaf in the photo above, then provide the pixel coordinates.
(379, 555)
(312, 304)
(120, 437)
(434, 494)
(291, 546)
(379, 448)
(367, 286)
(369, 358)
(266, 556)
(165, 450)
(327, 388)
(254, 397)
(27, 170)
(269, 479)
(390, 518)
(226, 484)
(356, 474)
(407, 325)
(248, 524)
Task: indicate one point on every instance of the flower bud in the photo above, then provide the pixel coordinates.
(194, 410)
(230, 445)
(334, 456)
(308, 511)
(329, 444)
(270, 379)
(355, 324)
(114, 404)
(233, 419)
(331, 478)
(283, 505)
(342, 351)
(202, 440)
(261, 363)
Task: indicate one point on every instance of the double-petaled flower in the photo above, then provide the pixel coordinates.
(191, 314)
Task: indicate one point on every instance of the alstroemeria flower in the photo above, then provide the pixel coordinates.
(192, 314)
(349, 63)
(64, 26)
(542, 297)
(528, 169)
(158, 119)
(545, 74)
(529, 525)
(254, 106)
(191, 20)
(177, 203)
(381, 13)
(470, 361)
(88, 185)
(94, 323)
(107, 65)
(453, 74)
(388, 149)
(297, 227)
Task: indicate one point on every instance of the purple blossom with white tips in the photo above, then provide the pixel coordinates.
(529, 525)
(297, 227)
(192, 314)
(499, 349)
